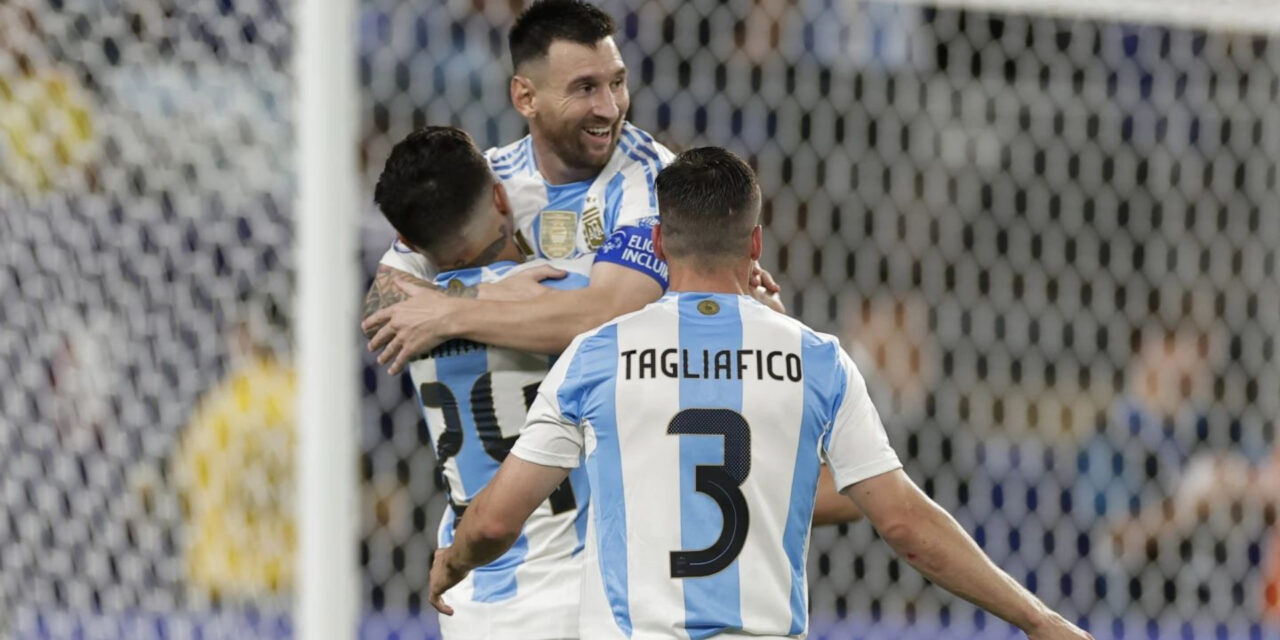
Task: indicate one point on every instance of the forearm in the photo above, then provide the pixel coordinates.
(384, 292)
(545, 324)
(477, 546)
(937, 546)
(497, 514)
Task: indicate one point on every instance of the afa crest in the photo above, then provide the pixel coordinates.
(593, 228)
(557, 233)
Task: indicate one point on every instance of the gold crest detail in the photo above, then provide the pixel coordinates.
(593, 228)
(523, 244)
(709, 307)
(456, 286)
(557, 233)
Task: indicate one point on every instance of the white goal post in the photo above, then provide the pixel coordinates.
(328, 274)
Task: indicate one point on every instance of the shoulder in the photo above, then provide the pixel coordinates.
(641, 153)
(578, 270)
(810, 339)
(511, 160)
(643, 142)
(473, 276)
(606, 335)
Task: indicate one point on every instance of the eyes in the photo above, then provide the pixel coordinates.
(586, 88)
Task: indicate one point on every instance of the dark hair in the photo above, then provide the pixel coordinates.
(546, 21)
(430, 185)
(708, 203)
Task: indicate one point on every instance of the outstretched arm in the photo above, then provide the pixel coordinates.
(931, 540)
(492, 522)
(543, 324)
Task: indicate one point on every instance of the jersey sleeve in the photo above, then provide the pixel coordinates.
(551, 434)
(400, 257)
(646, 157)
(856, 447)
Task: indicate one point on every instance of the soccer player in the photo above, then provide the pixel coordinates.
(704, 418)
(437, 191)
(569, 187)
(582, 180)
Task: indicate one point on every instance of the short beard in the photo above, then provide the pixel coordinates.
(570, 151)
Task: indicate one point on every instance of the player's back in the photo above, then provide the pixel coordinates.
(704, 417)
(474, 398)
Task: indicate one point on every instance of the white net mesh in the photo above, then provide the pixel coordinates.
(1048, 237)
(145, 149)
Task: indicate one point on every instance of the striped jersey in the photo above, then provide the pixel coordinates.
(569, 220)
(704, 419)
(474, 399)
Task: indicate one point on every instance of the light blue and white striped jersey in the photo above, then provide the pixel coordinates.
(574, 219)
(704, 419)
(474, 399)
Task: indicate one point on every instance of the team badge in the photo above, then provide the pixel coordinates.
(557, 233)
(709, 307)
(593, 223)
(456, 286)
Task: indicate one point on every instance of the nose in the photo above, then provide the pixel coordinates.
(605, 106)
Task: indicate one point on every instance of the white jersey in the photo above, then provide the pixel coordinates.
(704, 419)
(474, 398)
(570, 220)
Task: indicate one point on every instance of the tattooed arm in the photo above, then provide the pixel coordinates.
(385, 291)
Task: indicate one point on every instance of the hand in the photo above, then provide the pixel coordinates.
(764, 289)
(1054, 627)
(522, 286)
(762, 278)
(443, 577)
(410, 328)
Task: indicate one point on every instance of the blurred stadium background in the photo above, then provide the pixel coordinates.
(1046, 230)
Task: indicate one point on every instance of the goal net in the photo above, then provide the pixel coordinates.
(1046, 230)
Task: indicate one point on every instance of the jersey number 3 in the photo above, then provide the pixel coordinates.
(721, 483)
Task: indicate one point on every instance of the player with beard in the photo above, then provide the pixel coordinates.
(580, 183)
(704, 470)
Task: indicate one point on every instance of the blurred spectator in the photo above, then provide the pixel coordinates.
(46, 127)
(1146, 445)
(889, 339)
(234, 466)
(1154, 426)
(1218, 487)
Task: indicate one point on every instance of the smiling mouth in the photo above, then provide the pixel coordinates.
(600, 133)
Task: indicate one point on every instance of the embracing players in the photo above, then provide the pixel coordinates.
(704, 419)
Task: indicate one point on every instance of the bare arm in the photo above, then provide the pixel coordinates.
(383, 292)
(492, 522)
(543, 324)
(830, 507)
(931, 540)
(548, 323)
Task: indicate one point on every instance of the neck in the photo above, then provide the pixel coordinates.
(553, 169)
(732, 277)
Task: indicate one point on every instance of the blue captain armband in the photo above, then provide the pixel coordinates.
(632, 247)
